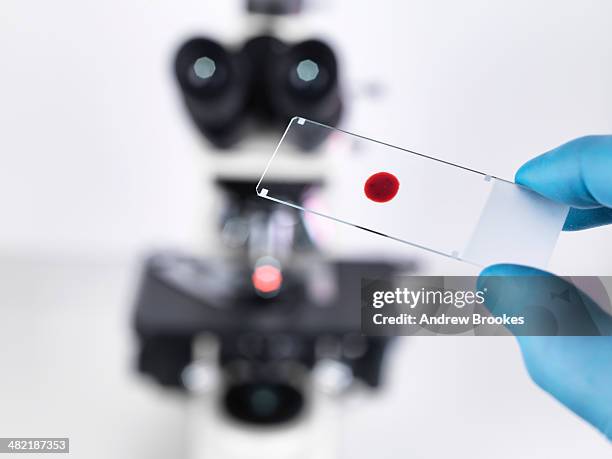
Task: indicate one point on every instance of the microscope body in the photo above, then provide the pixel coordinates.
(264, 336)
(265, 373)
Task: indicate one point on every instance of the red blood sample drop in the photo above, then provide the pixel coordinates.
(381, 187)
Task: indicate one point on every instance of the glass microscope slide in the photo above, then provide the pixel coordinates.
(419, 200)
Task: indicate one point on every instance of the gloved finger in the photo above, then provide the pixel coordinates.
(576, 370)
(579, 219)
(576, 173)
(550, 305)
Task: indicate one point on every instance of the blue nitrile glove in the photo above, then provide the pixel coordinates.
(577, 370)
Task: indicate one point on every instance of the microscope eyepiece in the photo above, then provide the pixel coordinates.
(311, 70)
(303, 81)
(214, 86)
(204, 69)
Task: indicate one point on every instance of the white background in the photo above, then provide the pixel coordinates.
(99, 164)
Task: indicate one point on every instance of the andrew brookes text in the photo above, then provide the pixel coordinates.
(429, 305)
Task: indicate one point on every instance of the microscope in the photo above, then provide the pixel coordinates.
(264, 338)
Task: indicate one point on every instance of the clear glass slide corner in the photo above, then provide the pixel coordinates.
(417, 199)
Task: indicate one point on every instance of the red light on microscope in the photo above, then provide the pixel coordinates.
(381, 187)
(267, 279)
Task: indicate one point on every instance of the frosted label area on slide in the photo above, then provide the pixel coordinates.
(413, 198)
(516, 226)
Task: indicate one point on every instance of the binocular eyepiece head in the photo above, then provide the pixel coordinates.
(266, 80)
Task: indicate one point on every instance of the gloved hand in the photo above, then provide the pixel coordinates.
(577, 370)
